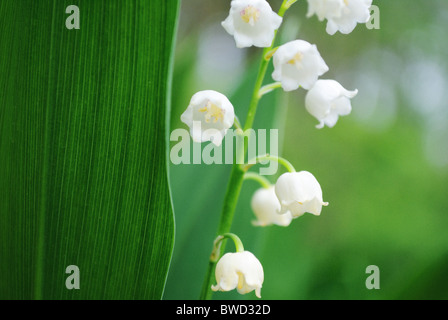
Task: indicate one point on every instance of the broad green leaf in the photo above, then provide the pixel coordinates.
(83, 148)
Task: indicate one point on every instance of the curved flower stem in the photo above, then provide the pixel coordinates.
(269, 54)
(288, 165)
(237, 123)
(216, 253)
(237, 175)
(268, 88)
(259, 178)
(288, 4)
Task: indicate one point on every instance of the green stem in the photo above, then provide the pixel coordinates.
(216, 253)
(262, 71)
(288, 3)
(259, 178)
(255, 96)
(228, 211)
(237, 123)
(288, 165)
(268, 88)
(237, 174)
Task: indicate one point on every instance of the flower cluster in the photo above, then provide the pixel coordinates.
(297, 64)
(294, 194)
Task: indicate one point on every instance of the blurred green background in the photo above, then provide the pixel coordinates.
(384, 168)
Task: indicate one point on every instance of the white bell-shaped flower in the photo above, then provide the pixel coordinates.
(209, 115)
(240, 270)
(298, 63)
(252, 23)
(353, 12)
(266, 208)
(325, 9)
(299, 192)
(327, 100)
(342, 15)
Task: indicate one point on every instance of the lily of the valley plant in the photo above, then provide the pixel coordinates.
(297, 64)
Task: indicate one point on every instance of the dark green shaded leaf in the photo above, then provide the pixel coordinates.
(83, 173)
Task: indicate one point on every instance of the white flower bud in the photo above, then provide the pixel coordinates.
(252, 23)
(342, 15)
(298, 63)
(209, 115)
(327, 100)
(266, 208)
(240, 270)
(299, 192)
